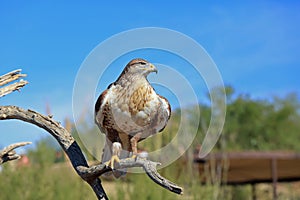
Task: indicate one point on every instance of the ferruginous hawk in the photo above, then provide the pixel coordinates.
(129, 110)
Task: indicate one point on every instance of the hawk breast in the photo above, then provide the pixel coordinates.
(138, 110)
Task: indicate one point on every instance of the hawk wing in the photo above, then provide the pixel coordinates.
(129, 110)
(166, 106)
(99, 107)
(104, 120)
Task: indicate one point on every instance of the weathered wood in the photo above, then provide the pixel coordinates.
(73, 151)
(13, 87)
(63, 137)
(147, 165)
(8, 153)
(10, 77)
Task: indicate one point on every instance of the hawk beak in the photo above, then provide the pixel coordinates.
(152, 68)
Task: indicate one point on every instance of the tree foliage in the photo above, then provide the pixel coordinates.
(261, 124)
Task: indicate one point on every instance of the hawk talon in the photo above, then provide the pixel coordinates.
(112, 161)
(134, 156)
(130, 105)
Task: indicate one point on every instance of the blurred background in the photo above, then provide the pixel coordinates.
(256, 46)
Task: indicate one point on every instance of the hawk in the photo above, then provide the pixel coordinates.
(130, 110)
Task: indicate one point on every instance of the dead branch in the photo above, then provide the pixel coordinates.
(69, 145)
(8, 153)
(71, 148)
(10, 77)
(63, 137)
(147, 165)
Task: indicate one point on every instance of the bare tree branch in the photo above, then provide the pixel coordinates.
(10, 77)
(70, 146)
(63, 137)
(8, 153)
(147, 165)
(13, 87)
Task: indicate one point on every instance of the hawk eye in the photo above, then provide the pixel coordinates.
(142, 63)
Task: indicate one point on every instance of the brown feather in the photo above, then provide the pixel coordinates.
(100, 101)
(130, 107)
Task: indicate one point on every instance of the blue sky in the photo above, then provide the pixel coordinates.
(256, 46)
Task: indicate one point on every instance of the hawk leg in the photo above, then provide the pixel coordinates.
(116, 149)
(133, 141)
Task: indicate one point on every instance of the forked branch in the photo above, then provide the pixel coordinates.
(8, 153)
(10, 77)
(73, 151)
(63, 137)
(69, 145)
(148, 165)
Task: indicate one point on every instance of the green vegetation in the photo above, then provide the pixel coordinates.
(42, 179)
(250, 125)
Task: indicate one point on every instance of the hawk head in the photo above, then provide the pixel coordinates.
(139, 66)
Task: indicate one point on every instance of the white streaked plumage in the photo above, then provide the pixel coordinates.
(129, 110)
